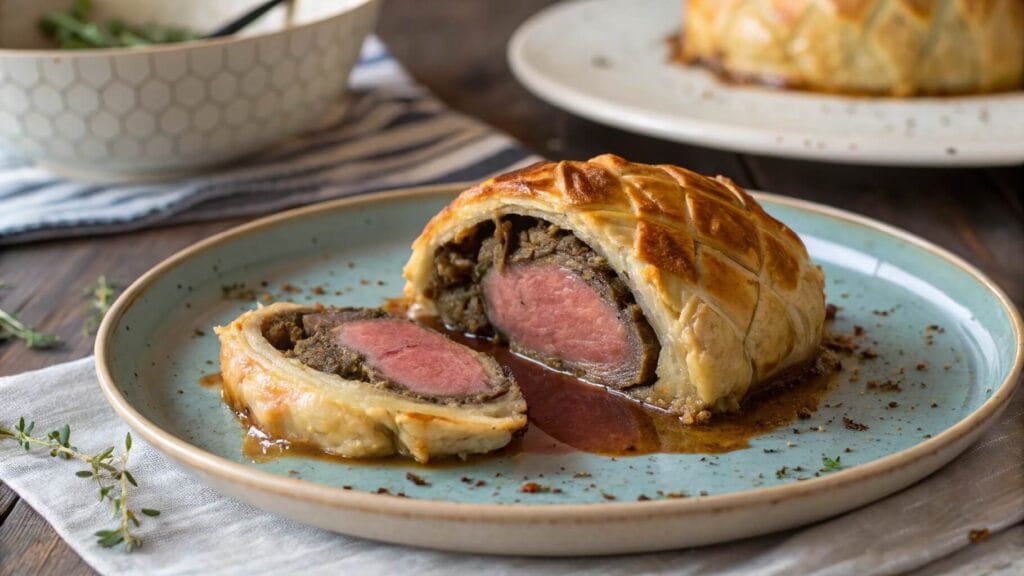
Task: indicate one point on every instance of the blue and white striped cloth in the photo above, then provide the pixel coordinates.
(393, 134)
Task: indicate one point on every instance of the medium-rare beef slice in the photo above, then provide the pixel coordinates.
(369, 345)
(422, 361)
(528, 250)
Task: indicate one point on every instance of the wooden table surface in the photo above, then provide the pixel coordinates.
(457, 48)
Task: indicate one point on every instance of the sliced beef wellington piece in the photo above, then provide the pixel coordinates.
(674, 287)
(359, 383)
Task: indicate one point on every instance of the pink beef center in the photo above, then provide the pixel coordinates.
(423, 361)
(548, 309)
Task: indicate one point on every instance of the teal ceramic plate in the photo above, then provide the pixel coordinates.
(949, 345)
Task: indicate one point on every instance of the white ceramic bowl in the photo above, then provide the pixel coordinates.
(179, 107)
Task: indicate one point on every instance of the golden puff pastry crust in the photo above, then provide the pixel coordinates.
(290, 400)
(879, 47)
(729, 291)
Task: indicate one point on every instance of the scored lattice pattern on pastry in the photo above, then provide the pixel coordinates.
(730, 291)
(897, 47)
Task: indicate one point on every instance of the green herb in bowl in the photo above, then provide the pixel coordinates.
(72, 29)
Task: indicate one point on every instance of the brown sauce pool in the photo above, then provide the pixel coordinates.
(592, 418)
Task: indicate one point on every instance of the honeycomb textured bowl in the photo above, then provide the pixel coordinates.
(179, 107)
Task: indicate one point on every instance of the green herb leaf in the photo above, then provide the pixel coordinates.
(831, 464)
(11, 327)
(102, 296)
(104, 455)
(150, 512)
(81, 9)
(111, 540)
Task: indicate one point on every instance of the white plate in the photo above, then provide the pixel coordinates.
(608, 60)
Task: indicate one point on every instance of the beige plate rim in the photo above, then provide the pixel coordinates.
(210, 464)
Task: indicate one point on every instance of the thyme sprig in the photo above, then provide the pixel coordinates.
(102, 294)
(108, 471)
(11, 327)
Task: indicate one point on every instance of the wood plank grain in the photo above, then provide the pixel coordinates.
(7, 500)
(1009, 181)
(30, 546)
(48, 282)
(457, 49)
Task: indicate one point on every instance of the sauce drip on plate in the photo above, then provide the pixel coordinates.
(212, 380)
(592, 418)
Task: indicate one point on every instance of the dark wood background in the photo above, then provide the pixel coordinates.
(457, 49)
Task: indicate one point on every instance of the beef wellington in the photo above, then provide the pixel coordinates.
(675, 288)
(897, 48)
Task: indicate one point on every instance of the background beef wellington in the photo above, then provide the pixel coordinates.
(871, 47)
(671, 286)
(360, 383)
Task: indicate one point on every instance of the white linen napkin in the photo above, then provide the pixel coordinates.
(925, 526)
